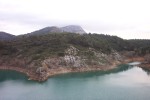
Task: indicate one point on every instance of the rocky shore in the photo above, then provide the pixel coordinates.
(55, 71)
(51, 72)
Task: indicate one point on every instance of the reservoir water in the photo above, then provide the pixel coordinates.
(124, 83)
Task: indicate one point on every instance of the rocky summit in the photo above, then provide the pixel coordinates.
(55, 29)
(73, 29)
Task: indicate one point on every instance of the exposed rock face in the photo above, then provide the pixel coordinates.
(73, 29)
(72, 59)
(117, 56)
(6, 36)
(55, 29)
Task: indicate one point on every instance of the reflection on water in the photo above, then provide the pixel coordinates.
(121, 68)
(11, 75)
(131, 78)
(123, 83)
(146, 70)
(134, 63)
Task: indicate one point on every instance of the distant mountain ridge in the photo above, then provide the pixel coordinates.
(55, 29)
(6, 36)
(52, 29)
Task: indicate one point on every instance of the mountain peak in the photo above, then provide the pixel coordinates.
(55, 29)
(73, 29)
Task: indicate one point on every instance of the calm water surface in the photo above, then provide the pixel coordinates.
(124, 83)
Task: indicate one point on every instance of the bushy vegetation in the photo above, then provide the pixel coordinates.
(140, 46)
(54, 44)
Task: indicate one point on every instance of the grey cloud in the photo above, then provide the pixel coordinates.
(25, 19)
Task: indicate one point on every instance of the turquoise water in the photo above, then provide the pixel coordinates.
(124, 83)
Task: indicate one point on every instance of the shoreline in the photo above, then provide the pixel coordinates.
(32, 75)
(27, 72)
(52, 72)
(61, 70)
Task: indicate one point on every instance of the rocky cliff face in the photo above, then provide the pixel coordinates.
(72, 59)
(73, 29)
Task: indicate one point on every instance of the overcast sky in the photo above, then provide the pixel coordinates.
(128, 19)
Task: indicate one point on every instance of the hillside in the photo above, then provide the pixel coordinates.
(6, 36)
(40, 56)
(46, 30)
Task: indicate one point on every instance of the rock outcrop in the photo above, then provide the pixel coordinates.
(73, 29)
(72, 60)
